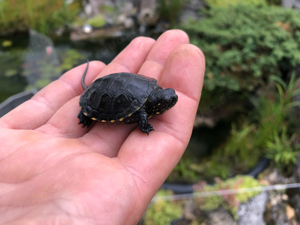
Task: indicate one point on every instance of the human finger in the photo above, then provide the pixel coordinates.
(151, 158)
(155, 62)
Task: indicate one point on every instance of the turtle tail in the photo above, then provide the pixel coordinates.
(84, 74)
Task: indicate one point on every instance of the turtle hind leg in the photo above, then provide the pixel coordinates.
(146, 127)
(86, 121)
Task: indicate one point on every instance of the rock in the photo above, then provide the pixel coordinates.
(284, 197)
(252, 212)
(290, 212)
(275, 200)
(202, 120)
(291, 4)
(294, 201)
(189, 209)
(296, 170)
(278, 215)
(88, 9)
(129, 22)
(181, 222)
(221, 217)
(294, 193)
(147, 13)
(190, 10)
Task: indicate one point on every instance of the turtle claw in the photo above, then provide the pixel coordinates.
(86, 121)
(146, 128)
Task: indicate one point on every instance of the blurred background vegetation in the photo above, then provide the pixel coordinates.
(249, 106)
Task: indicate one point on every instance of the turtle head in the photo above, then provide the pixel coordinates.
(162, 100)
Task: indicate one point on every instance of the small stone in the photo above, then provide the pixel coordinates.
(273, 176)
(275, 200)
(264, 182)
(284, 197)
(290, 212)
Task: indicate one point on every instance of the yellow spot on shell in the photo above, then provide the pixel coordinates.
(94, 118)
(121, 119)
(158, 104)
(103, 120)
(158, 113)
(112, 121)
(85, 114)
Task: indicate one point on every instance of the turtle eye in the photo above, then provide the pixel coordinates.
(167, 101)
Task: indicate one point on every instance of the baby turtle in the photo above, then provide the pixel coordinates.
(124, 98)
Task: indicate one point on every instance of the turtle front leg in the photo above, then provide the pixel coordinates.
(86, 121)
(143, 122)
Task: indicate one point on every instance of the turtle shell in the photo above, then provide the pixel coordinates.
(116, 96)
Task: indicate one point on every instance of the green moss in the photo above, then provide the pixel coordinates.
(162, 212)
(231, 201)
(97, 21)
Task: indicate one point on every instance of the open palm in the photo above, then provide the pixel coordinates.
(54, 171)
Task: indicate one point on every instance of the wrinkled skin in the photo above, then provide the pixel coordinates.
(54, 172)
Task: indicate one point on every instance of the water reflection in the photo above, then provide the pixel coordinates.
(32, 60)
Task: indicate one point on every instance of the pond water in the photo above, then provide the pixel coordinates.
(32, 60)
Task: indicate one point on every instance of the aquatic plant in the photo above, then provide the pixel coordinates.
(71, 58)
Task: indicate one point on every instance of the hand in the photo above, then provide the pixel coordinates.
(54, 171)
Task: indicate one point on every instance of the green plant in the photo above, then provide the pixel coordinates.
(232, 157)
(266, 131)
(1, 10)
(281, 149)
(43, 16)
(183, 172)
(244, 45)
(162, 212)
(216, 199)
(274, 2)
(170, 10)
(226, 3)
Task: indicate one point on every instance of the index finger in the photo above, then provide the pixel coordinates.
(151, 158)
